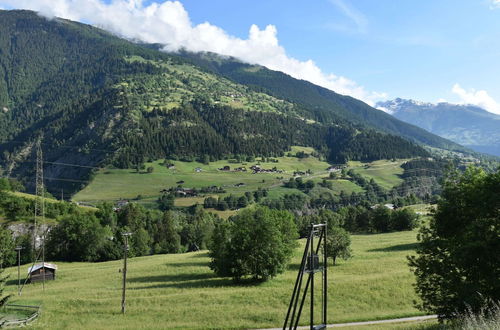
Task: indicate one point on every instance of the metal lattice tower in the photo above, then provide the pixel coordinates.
(310, 265)
(39, 200)
(39, 210)
(38, 250)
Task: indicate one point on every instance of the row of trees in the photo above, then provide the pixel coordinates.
(82, 235)
(233, 202)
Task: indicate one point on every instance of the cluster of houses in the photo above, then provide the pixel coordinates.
(254, 168)
(257, 169)
(181, 192)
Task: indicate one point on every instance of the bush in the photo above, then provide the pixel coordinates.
(7, 252)
(259, 243)
(404, 219)
(4, 184)
(3, 299)
(166, 201)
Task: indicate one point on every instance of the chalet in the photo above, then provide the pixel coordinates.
(240, 169)
(387, 206)
(121, 203)
(186, 192)
(225, 168)
(241, 184)
(180, 182)
(198, 170)
(42, 270)
(333, 169)
(299, 173)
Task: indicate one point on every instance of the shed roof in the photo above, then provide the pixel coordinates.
(41, 265)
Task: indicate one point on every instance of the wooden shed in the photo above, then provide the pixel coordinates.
(41, 270)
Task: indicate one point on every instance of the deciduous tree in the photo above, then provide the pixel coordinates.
(457, 265)
(259, 244)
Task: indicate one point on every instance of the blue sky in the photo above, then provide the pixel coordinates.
(410, 49)
(425, 50)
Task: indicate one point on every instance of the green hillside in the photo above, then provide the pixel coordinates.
(385, 173)
(323, 104)
(145, 188)
(179, 291)
(100, 100)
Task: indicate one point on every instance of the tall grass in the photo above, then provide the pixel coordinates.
(488, 318)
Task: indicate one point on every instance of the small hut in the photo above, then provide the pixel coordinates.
(41, 270)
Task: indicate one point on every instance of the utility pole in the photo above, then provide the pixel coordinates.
(125, 235)
(18, 249)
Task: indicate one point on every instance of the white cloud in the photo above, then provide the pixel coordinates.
(479, 98)
(386, 110)
(169, 23)
(495, 4)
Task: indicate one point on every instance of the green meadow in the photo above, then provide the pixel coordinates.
(385, 172)
(114, 184)
(180, 291)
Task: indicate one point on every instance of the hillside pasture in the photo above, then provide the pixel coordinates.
(114, 184)
(386, 173)
(180, 291)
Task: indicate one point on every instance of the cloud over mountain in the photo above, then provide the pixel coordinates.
(169, 23)
(481, 98)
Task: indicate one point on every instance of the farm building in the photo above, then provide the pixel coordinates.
(38, 271)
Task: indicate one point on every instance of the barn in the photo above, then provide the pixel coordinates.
(38, 271)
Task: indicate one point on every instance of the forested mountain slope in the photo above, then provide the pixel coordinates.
(100, 100)
(323, 104)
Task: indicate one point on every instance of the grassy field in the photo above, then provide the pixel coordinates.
(115, 184)
(385, 172)
(180, 291)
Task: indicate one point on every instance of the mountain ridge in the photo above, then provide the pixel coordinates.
(467, 125)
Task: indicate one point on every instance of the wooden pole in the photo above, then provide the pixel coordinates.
(18, 249)
(126, 235)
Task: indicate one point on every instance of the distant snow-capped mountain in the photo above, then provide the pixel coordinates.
(467, 125)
